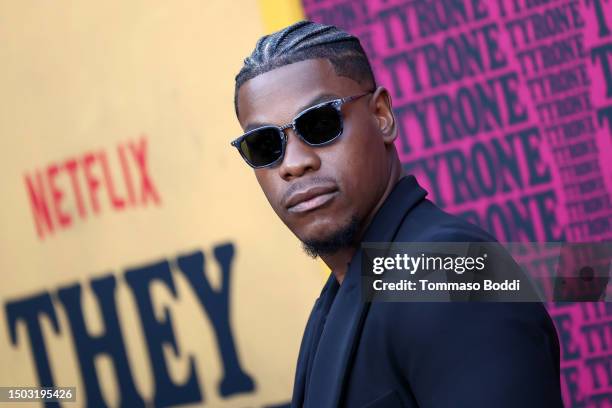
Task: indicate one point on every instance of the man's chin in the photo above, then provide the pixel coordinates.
(331, 242)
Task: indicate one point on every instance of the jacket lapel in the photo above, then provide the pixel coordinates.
(312, 333)
(346, 317)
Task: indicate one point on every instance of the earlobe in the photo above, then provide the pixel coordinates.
(390, 132)
(384, 112)
(384, 124)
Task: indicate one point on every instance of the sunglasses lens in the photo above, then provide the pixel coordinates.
(319, 125)
(262, 147)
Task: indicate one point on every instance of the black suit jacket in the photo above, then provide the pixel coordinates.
(427, 355)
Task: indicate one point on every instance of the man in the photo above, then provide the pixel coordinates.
(320, 135)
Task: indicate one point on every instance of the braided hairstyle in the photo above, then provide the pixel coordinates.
(307, 40)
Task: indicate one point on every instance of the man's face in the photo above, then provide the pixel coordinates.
(318, 191)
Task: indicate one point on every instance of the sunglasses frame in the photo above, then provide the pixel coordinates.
(335, 103)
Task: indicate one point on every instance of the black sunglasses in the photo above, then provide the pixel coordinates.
(318, 125)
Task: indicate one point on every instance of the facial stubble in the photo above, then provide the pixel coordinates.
(343, 237)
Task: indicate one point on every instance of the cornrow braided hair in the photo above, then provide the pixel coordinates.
(307, 40)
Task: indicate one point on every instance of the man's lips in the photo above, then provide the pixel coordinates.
(310, 198)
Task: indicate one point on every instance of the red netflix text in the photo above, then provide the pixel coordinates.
(65, 191)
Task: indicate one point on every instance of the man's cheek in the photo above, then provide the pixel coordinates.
(270, 192)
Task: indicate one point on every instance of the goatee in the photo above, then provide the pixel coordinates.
(340, 239)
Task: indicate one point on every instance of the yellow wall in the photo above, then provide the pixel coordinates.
(92, 76)
(277, 14)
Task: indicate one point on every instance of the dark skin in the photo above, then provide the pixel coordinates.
(357, 171)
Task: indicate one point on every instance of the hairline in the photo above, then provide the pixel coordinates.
(282, 62)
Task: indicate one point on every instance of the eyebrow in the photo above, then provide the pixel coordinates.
(315, 101)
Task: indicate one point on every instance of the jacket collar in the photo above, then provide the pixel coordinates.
(384, 226)
(346, 316)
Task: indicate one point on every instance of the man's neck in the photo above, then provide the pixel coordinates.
(338, 261)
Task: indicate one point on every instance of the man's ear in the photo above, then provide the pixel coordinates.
(383, 110)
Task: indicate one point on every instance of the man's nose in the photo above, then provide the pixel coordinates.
(299, 157)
